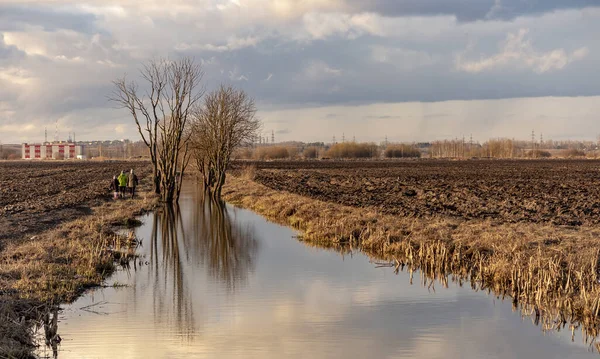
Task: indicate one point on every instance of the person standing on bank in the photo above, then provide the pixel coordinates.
(114, 186)
(122, 183)
(133, 182)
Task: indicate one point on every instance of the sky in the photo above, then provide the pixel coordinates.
(405, 70)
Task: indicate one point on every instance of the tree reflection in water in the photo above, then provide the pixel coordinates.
(184, 245)
(227, 248)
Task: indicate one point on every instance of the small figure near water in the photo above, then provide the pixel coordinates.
(132, 183)
(114, 186)
(122, 183)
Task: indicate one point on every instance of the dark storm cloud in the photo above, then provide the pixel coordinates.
(470, 10)
(359, 80)
(15, 18)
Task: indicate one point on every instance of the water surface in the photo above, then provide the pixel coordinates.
(225, 283)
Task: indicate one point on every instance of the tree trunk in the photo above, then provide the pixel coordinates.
(156, 180)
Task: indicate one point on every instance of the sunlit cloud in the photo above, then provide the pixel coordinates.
(517, 50)
(58, 57)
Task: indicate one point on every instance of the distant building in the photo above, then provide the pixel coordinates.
(56, 151)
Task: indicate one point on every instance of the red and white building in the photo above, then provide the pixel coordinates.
(49, 151)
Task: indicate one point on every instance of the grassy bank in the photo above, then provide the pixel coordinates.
(550, 271)
(58, 265)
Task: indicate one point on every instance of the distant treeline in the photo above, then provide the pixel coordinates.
(337, 151)
(508, 148)
(501, 148)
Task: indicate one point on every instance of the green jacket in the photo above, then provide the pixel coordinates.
(122, 180)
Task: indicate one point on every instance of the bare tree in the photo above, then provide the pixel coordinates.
(225, 121)
(161, 114)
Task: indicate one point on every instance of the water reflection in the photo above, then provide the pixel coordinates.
(228, 250)
(169, 291)
(177, 248)
(202, 292)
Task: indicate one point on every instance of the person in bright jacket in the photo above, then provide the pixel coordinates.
(132, 183)
(122, 183)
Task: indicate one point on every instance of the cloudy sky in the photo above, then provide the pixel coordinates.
(406, 69)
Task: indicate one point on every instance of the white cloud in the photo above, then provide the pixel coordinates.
(517, 50)
(323, 25)
(16, 76)
(236, 75)
(316, 70)
(404, 59)
(233, 43)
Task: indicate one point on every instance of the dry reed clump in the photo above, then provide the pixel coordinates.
(272, 153)
(248, 172)
(572, 153)
(353, 150)
(17, 326)
(538, 154)
(311, 152)
(401, 151)
(550, 271)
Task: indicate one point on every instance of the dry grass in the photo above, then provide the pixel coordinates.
(272, 153)
(58, 265)
(353, 150)
(548, 270)
(401, 150)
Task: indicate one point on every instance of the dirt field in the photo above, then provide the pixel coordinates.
(36, 196)
(554, 191)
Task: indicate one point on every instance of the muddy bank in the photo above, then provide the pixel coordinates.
(39, 272)
(550, 271)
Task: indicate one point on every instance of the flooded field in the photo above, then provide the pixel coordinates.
(224, 282)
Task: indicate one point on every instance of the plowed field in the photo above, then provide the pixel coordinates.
(558, 192)
(35, 196)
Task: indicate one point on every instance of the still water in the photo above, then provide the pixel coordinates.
(225, 283)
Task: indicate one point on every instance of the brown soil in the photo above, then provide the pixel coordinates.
(559, 192)
(36, 196)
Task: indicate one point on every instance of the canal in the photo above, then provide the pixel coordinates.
(222, 282)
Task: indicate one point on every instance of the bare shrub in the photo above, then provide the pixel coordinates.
(272, 153)
(311, 152)
(245, 153)
(539, 154)
(249, 172)
(353, 150)
(402, 151)
(7, 154)
(573, 152)
(293, 152)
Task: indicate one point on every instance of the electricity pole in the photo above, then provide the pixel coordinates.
(532, 144)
